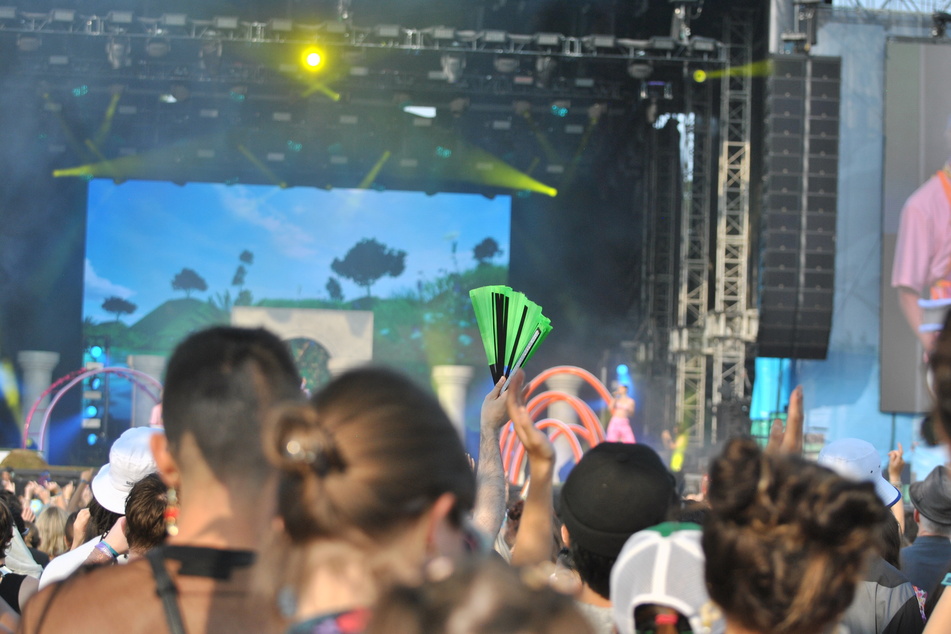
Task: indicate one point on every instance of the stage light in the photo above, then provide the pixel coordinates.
(92, 439)
(28, 43)
(560, 108)
(599, 41)
(174, 20)
(118, 53)
(703, 44)
(505, 64)
(544, 69)
(312, 59)
(120, 17)
(62, 15)
(700, 76)
(95, 383)
(91, 411)
(387, 31)
(280, 25)
(225, 23)
(452, 67)
(209, 55)
(549, 39)
(444, 33)
(157, 47)
(95, 352)
(494, 37)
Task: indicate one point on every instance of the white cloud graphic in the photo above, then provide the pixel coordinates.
(290, 239)
(99, 288)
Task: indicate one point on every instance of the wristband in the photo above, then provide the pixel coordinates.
(105, 548)
(84, 481)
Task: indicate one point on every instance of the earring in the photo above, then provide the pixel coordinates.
(171, 513)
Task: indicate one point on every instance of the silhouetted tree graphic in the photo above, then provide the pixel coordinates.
(367, 261)
(238, 279)
(334, 290)
(188, 280)
(118, 306)
(247, 257)
(486, 250)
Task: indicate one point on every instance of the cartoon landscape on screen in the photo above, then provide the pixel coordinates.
(164, 261)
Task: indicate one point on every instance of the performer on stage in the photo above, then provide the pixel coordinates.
(622, 411)
(922, 267)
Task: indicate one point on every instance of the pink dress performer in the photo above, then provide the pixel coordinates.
(622, 409)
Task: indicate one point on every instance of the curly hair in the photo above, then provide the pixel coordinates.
(785, 540)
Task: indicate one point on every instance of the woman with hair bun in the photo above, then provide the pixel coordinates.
(786, 541)
(373, 484)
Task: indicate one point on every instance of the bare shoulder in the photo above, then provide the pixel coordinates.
(94, 600)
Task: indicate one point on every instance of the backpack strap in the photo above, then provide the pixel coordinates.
(166, 590)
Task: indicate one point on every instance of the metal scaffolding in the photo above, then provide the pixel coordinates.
(693, 301)
(733, 323)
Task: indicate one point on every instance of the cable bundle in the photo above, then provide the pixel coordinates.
(512, 327)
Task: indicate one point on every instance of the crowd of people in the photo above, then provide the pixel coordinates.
(357, 509)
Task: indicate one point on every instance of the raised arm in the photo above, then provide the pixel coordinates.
(490, 478)
(534, 542)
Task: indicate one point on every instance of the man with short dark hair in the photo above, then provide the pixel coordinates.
(615, 490)
(219, 385)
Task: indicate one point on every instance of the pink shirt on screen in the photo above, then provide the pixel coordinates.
(923, 247)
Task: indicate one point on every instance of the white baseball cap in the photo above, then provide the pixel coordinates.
(858, 460)
(664, 565)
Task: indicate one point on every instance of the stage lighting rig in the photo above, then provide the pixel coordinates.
(807, 27)
(684, 12)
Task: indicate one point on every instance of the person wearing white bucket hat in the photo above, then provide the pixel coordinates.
(885, 601)
(130, 460)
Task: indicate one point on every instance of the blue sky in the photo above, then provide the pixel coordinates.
(141, 233)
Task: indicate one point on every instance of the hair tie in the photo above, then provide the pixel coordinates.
(322, 459)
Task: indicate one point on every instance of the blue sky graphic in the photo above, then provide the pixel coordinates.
(141, 233)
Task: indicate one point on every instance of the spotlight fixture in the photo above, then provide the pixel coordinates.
(209, 55)
(452, 66)
(157, 47)
(120, 17)
(505, 65)
(639, 70)
(62, 15)
(544, 69)
(118, 53)
(28, 43)
(179, 20)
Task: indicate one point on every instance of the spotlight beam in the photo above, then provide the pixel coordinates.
(106, 125)
(374, 171)
(264, 169)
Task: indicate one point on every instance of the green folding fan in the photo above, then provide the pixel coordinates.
(512, 327)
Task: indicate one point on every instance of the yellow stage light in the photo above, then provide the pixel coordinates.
(312, 59)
